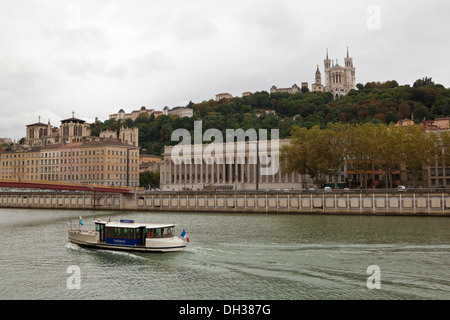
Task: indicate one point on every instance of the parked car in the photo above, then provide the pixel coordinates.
(327, 189)
(401, 188)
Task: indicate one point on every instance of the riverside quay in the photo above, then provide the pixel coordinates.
(422, 202)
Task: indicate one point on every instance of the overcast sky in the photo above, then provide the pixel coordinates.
(95, 57)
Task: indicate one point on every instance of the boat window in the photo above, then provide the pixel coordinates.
(160, 232)
(168, 232)
(125, 233)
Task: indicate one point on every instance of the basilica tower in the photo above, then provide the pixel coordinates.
(327, 63)
(317, 85)
(339, 80)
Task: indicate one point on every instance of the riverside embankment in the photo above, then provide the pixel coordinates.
(366, 202)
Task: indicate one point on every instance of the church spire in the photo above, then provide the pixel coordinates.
(347, 52)
(327, 53)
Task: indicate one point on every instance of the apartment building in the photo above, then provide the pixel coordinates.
(109, 163)
(20, 166)
(50, 162)
(69, 162)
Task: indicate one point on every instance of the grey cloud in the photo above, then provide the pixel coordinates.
(151, 63)
(96, 56)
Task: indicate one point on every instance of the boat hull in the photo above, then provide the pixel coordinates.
(90, 239)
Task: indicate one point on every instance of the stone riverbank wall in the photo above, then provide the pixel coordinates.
(394, 203)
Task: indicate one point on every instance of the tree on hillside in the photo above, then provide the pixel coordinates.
(426, 95)
(423, 82)
(404, 110)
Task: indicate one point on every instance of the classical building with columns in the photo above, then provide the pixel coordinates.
(235, 167)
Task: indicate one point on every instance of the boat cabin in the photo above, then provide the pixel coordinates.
(129, 233)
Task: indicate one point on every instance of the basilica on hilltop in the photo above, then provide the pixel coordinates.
(339, 80)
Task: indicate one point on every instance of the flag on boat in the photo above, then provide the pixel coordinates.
(184, 235)
(81, 222)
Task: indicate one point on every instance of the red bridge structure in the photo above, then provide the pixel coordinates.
(63, 186)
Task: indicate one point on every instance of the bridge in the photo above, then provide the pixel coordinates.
(65, 186)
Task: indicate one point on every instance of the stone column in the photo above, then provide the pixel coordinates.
(175, 172)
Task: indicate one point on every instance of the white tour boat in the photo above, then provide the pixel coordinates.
(129, 235)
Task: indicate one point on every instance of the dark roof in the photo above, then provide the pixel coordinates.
(52, 146)
(73, 120)
(37, 124)
(107, 143)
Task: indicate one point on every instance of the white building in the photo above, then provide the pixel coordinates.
(294, 89)
(121, 115)
(179, 111)
(235, 167)
(221, 96)
(339, 80)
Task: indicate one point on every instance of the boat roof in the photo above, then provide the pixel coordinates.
(131, 224)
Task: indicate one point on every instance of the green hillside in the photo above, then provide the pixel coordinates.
(373, 102)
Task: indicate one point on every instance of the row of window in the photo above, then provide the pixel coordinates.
(69, 153)
(135, 233)
(439, 172)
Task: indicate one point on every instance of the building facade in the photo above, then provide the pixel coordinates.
(224, 95)
(149, 163)
(40, 134)
(235, 167)
(317, 85)
(71, 130)
(112, 163)
(50, 163)
(179, 112)
(69, 162)
(182, 112)
(339, 80)
(109, 163)
(292, 90)
(20, 166)
(121, 115)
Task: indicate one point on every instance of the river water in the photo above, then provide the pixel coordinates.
(230, 257)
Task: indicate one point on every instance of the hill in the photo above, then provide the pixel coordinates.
(373, 102)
